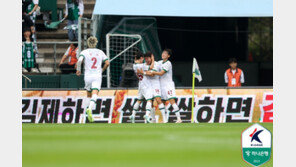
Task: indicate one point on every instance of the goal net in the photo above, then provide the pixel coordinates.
(121, 49)
(124, 41)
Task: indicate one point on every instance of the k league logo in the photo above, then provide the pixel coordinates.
(255, 137)
(256, 145)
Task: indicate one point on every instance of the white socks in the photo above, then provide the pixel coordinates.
(175, 107)
(86, 102)
(151, 111)
(135, 109)
(93, 101)
(148, 107)
(176, 111)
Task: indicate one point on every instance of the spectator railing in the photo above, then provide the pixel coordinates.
(26, 80)
(85, 28)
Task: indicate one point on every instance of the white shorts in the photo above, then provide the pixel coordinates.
(145, 93)
(168, 91)
(156, 90)
(92, 83)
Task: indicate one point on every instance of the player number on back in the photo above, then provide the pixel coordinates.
(94, 63)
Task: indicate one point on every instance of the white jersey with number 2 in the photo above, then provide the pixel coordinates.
(93, 60)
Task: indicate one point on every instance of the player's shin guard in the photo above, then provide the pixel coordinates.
(148, 107)
(176, 111)
(175, 107)
(86, 102)
(93, 101)
(162, 110)
(135, 108)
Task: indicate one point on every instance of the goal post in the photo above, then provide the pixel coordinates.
(120, 49)
(130, 35)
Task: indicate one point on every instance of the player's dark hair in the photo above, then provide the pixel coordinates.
(148, 54)
(75, 44)
(138, 55)
(232, 60)
(169, 51)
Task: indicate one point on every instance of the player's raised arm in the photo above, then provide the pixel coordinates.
(152, 62)
(79, 62)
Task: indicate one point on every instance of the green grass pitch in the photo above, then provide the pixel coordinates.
(134, 145)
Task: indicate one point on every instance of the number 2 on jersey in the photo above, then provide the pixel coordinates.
(94, 63)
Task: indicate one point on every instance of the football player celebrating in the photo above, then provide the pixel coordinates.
(93, 59)
(144, 89)
(166, 82)
(155, 83)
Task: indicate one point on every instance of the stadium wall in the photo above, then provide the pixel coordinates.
(214, 105)
(256, 74)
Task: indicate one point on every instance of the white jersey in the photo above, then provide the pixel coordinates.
(167, 77)
(93, 60)
(155, 79)
(144, 82)
(155, 83)
(166, 81)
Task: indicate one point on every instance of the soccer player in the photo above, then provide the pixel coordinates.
(144, 89)
(155, 83)
(93, 59)
(166, 82)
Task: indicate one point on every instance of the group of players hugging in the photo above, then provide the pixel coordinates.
(155, 81)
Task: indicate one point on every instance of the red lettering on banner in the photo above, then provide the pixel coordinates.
(268, 117)
(267, 108)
